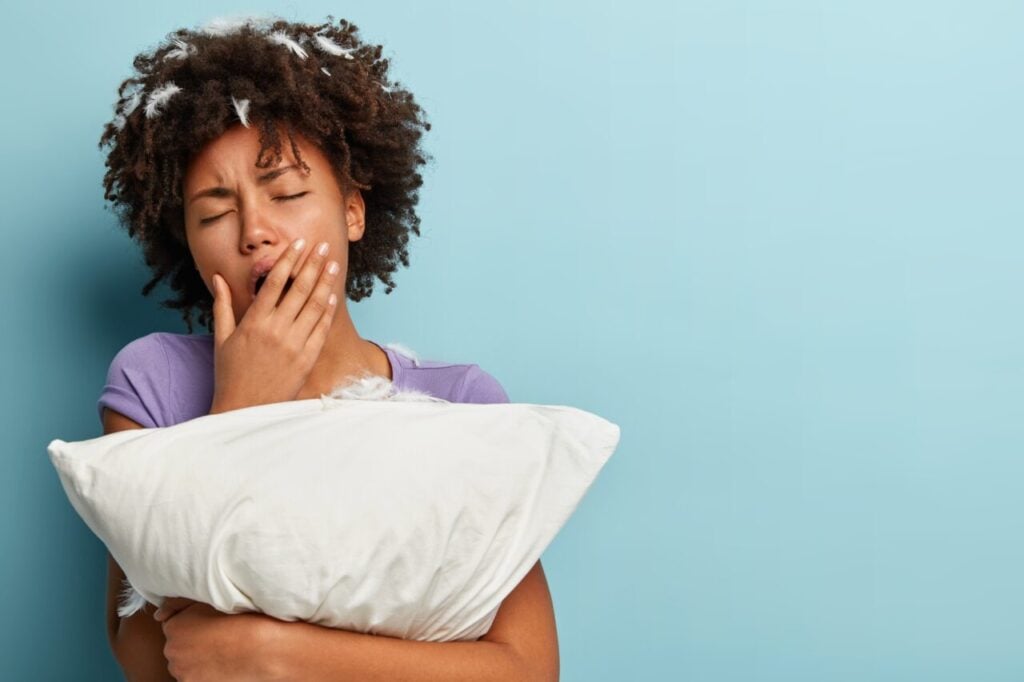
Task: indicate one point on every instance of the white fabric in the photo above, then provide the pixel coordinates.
(408, 518)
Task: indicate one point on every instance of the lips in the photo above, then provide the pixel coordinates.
(259, 269)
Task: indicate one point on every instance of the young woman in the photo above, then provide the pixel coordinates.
(267, 242)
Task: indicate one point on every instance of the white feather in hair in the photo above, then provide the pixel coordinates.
(224, 25)
(281, 38)
(331, 47)
(159, 97)
(242, 109)
(133, 102)
(182, 51)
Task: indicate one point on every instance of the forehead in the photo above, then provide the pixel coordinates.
(232, 157)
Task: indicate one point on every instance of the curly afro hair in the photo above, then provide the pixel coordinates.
(321, 81)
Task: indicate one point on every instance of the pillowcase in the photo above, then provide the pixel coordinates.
(406, 518)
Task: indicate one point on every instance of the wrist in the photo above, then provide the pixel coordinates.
(275, 645)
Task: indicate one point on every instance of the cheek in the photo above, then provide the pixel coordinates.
(204, 261)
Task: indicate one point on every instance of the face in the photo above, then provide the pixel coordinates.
(234, 216)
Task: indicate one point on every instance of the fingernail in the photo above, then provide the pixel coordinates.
(298, 244)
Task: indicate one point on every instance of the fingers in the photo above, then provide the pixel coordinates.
(171, 606)
(318, 336)
(306, 300)
(269, 294)
(223, 313)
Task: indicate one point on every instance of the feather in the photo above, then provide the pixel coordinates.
(324, 69)
(159, 97)
(224, 25)
(331, 47)
(182, 51)
(374, 387)
(121, 116)
(132, 103)
(131, 601)
(242, 109)
(281, 38)
(403, 350)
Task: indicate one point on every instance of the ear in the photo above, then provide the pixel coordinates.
(355, 215)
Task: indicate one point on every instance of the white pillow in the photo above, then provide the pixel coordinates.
(410, 519)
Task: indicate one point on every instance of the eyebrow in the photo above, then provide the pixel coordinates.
(221, 192)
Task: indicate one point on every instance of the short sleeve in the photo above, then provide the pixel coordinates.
(138, 383)
(480, 387)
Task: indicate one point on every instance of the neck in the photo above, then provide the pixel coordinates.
(345, 357)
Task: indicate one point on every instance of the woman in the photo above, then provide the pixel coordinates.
(218, 217)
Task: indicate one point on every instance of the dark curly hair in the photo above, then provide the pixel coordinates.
(321, 81)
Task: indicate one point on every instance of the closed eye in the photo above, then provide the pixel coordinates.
(293, 196)
(286, 198)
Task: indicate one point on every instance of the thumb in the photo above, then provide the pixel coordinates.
(223, 314)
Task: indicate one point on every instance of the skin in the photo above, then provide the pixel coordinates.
(255, 222)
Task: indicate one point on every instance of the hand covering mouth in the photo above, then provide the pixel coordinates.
(263, 278)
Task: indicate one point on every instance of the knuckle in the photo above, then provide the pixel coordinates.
(294, 349)
(317, 305)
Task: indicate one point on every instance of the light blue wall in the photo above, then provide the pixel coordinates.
(779, 243)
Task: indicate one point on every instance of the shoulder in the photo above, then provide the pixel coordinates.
(142, 375)
(136, 383)
(161, 351)
(458, 382)
(478, 386)
(146, 353)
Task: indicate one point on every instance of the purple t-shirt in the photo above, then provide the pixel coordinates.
(163, 378)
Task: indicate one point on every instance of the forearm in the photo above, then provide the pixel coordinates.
(314, 653)
(139, 648)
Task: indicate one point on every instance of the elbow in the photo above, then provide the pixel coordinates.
(138, 647)
(548, 674)
(542, 675)
(543, 669)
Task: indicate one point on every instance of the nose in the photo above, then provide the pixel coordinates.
(257, 229)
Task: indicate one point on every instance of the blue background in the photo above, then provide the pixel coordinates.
(778, 243)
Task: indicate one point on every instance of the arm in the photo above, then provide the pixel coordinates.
(521, 646)
(137, 641)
